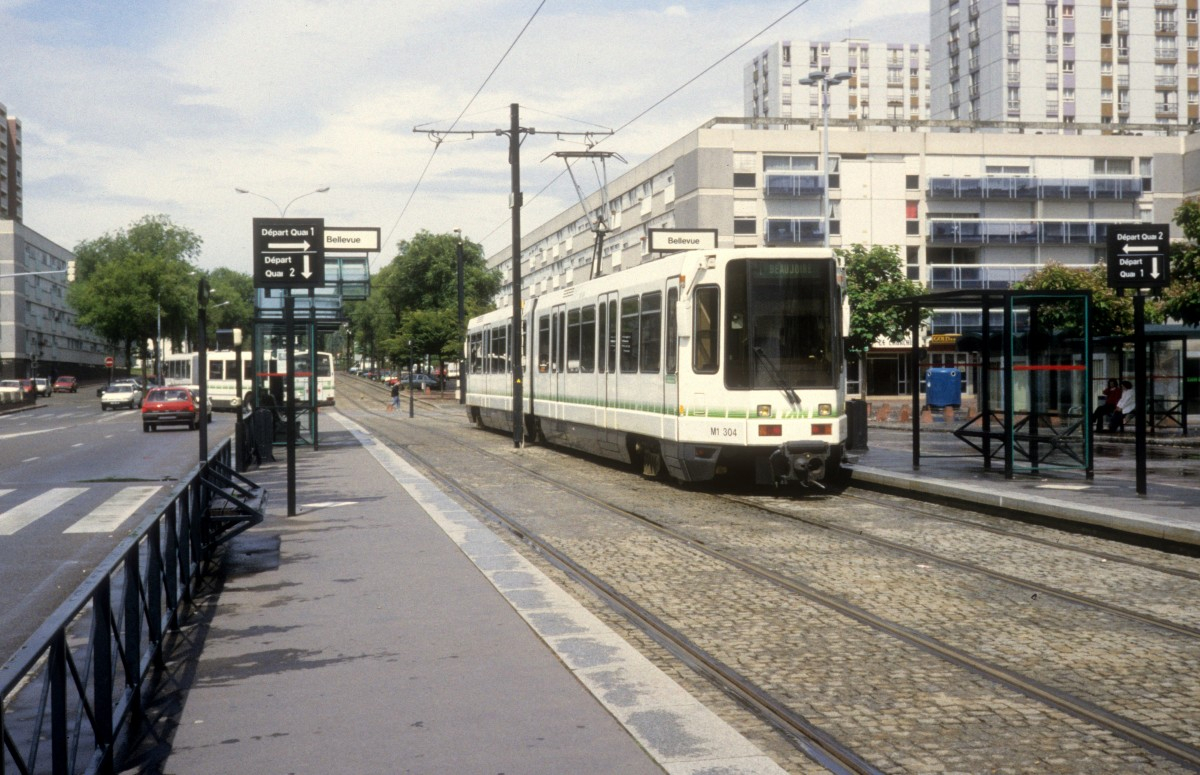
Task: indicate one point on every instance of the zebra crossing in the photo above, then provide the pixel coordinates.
(103, 518)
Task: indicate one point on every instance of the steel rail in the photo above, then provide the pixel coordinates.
(1064, 701)
(925, 554)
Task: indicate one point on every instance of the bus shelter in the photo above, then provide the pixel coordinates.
(1172, 381)
(1034, 377)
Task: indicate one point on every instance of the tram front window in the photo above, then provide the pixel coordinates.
(780, 324)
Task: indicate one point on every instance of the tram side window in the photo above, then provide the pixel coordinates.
(216, 370)
(672, 354)
(651, 333)
(475, 353)
(573, 344)
(587, 339)
(543, 344)
(707, 336)
(499, 350)
(629, 334)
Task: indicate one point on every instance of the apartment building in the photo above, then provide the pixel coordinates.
(1106, 62)
(10, 166)
(965, 210)
(887, 80)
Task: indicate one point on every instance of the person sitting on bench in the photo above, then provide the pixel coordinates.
(1126, 406)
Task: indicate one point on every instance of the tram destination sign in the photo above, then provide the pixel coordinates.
(289, 252)
(1139, 255)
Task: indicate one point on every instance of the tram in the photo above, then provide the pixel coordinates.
(698, 365)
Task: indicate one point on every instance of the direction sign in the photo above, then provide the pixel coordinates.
(1138, 255)
(289, 252)
(352, 239)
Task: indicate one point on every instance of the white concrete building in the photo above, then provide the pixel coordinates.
(888, 80)
(966, 210)
(1094, 61)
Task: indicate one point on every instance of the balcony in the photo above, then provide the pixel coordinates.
(1027, 187)
(973, 278)
(1169, 81)
(794, 231)
(793, 185)
(982, 231)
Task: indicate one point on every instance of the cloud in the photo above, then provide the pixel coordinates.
(131, 109)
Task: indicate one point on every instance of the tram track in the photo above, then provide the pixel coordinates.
(744, 689)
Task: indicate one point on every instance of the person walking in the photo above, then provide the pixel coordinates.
(395, 404)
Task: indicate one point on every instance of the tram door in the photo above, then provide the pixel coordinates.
(558, 348)
(607, 324)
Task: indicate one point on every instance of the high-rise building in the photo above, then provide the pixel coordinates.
(1093, 61)
(10, 166)
(887, 80)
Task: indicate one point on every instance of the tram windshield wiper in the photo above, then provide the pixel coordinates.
(778, 379)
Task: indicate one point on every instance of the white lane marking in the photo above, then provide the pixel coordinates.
(35, 508)
(31, 459)
(4, 492)
(109, 515)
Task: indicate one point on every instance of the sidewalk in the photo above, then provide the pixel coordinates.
(384, 629)
(1169, 510)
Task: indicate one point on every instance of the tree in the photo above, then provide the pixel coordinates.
(1112, 315)
(416, 297)
(127, 279)
(1181, 300)
(237, 288)
(873, 278)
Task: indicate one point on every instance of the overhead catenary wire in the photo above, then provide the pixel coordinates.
(437, 141)
(666, 97)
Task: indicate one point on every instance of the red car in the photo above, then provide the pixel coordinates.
(173, 406)
(66, 385)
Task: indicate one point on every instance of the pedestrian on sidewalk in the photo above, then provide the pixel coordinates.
(395, 404)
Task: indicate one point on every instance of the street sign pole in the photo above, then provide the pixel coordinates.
(1139, 258)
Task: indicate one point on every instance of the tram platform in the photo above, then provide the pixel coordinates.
(948, 468)
(383, 629)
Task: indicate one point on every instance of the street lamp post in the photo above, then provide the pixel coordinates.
(462, 313)
(825, 82)
(282, 210)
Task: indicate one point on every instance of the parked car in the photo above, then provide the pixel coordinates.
(422, 381)
(66, 385)
(42, 385)
(124, 394)
(26, 386)
(173, 406)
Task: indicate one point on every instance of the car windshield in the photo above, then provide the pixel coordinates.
(170, 395)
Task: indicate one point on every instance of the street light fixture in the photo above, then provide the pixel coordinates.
(824, 81)
(282, 210)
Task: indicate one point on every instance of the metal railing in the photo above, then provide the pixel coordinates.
(74, 692)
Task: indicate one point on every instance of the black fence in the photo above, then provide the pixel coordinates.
(75, 690)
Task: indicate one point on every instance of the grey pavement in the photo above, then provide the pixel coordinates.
(383, 629)
(947, 467)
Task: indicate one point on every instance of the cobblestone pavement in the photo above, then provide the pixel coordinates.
(900, 706)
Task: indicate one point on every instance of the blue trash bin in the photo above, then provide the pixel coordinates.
(943, 387)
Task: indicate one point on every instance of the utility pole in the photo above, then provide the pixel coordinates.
(515, 132)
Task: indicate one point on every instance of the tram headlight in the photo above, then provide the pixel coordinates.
(764, 410)
(825, 410)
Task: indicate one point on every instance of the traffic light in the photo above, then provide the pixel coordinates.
(71, 271)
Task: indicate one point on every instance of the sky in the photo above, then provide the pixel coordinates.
(165, 107)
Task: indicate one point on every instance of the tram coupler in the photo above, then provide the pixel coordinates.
(800, 462)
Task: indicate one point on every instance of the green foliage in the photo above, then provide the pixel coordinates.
(1182, 297)
(1112, 315)
(875, 276)
(416, 297)
(123, 279)
(237, 288)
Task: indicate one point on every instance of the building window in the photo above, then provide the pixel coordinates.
(745, 180)
(745, 225)
(912, 182)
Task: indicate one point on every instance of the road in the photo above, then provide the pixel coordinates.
(73, 481)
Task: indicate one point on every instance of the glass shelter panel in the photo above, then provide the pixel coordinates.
(1050, 380)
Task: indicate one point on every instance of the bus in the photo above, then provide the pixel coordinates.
(182, 369)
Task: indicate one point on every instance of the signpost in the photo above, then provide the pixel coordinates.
(1138, 258)
(351, 239)
(289, 252)
(674, 240)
